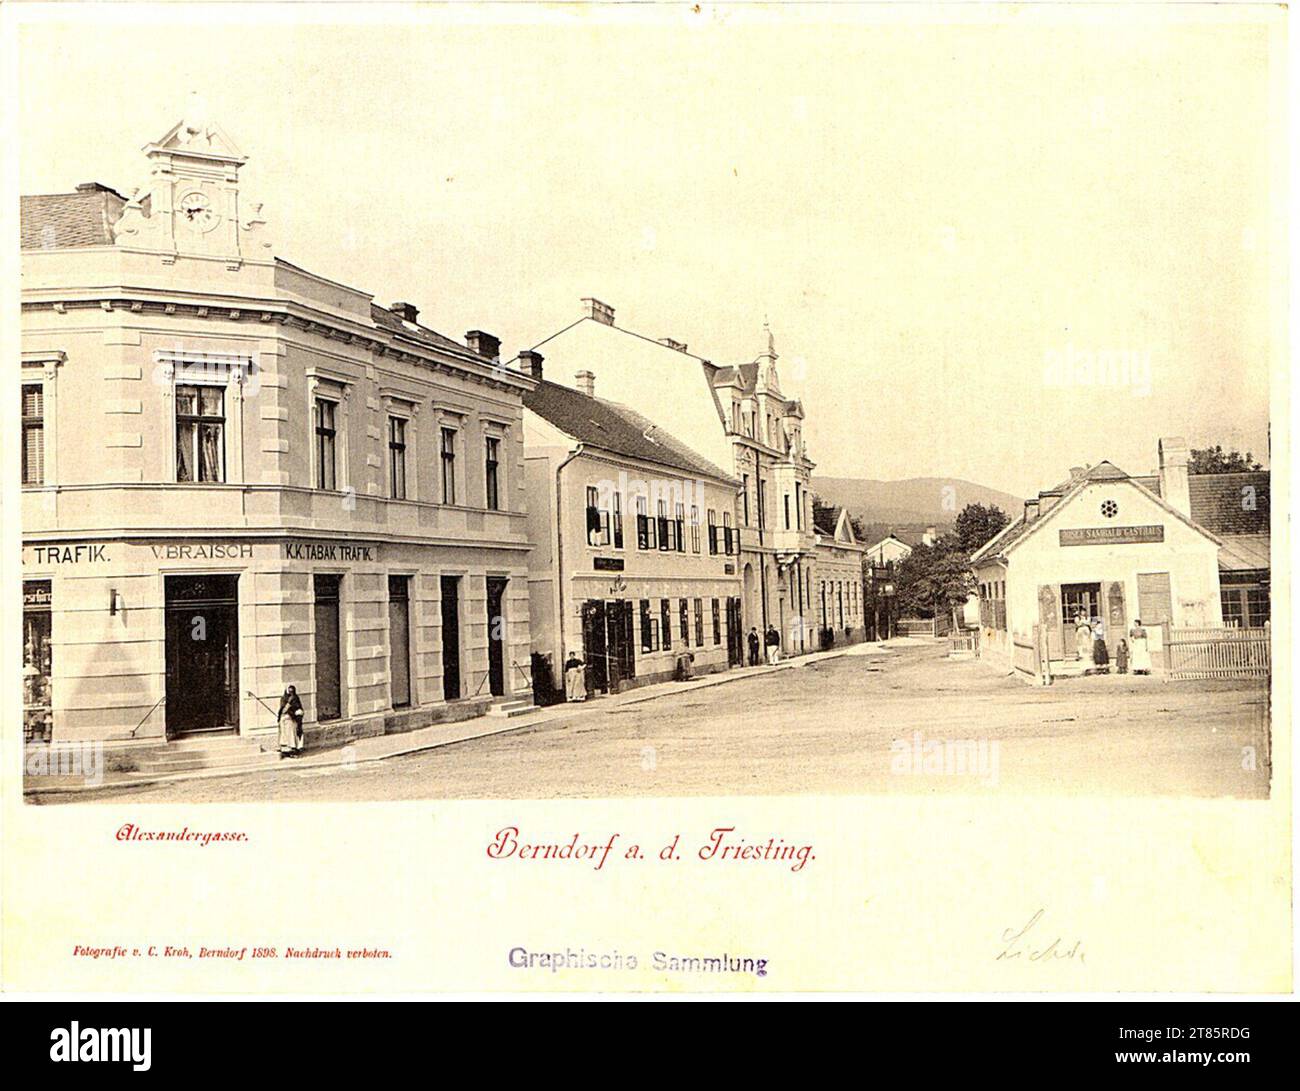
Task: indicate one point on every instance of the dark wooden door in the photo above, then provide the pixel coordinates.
(622, 664)
(202, 653)
(450, 637)
(496, 591)
(329, 689)
(595, 645)
(399, 639)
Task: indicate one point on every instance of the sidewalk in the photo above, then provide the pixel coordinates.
(381, 747)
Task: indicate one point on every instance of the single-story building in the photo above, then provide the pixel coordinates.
(1106, 545)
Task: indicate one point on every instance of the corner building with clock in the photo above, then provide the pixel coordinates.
(239, 475)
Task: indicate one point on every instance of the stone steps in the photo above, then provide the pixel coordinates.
(509, 709)
(213, 752)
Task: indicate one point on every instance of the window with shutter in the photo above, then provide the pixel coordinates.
(1155, 600)
(33, 434)
(597, 520)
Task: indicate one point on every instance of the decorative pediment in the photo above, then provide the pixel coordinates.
(196, 135)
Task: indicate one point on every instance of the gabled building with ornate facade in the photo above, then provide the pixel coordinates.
(239, 476)
(738, 418)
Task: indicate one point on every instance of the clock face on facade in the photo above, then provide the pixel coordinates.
(196, 211)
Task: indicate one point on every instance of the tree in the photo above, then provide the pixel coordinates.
(935, 579)
(1215, 460)
(977, 524)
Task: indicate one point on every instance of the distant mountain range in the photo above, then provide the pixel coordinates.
(910, 505)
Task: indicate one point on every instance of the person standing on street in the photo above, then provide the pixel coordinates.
(773, 642)
(289, 722)
(575, 679)
(1140, 654)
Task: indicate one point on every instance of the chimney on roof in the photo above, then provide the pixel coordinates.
(407, 312)
(1175, 489)
(1031, 510)
(680, 346)
(92, 187)
(530, 363)
(587, 383)
(601, 312)
(484, 344)
(1077, 472)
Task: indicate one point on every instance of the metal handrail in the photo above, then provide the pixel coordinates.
(255, 697)
(147, 715)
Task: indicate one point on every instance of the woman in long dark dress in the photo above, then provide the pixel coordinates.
(1100, 656)
(289, 721)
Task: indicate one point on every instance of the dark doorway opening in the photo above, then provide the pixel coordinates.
(1076, 599)
(399, 639)
(595, 651)
(202, 653)
(450, 637)
(329, 687)
(734, 634)
(496, 592)
(620, 653)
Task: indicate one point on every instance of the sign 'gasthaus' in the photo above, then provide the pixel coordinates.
(239, 475)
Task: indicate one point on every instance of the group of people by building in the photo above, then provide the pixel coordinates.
(1107, 567)
(1131, 653)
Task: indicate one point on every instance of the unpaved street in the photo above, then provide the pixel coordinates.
(829, 728)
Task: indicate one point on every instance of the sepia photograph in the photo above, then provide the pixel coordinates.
(806, 412)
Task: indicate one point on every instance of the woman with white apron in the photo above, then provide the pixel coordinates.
(1139, 653)
(1083, 641)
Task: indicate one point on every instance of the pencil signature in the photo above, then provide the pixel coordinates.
(1016, 944)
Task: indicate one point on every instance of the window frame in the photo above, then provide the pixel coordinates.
(32, 423)
(397, 443)
(447, 464)
(319, 401)
(492, 472)
(198, 419)
(597, 519)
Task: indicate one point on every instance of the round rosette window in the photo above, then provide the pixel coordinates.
(1109, 509)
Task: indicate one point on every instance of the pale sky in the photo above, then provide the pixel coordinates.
(938, 219)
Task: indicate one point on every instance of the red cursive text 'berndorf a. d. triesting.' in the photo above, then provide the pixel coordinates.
(721, 845)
